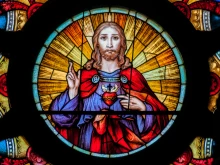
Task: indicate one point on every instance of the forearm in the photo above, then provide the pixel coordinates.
(73, 92)
(63, 103)
(145, 121)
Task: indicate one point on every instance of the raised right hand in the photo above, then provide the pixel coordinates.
(73, 80)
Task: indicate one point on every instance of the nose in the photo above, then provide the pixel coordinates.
(109, 43)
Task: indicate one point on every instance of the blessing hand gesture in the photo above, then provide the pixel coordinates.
(73, 80)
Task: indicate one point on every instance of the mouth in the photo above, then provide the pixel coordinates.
(110, 51)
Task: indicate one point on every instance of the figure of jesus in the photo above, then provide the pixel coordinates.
(108, 82)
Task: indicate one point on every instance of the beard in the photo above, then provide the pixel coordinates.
(109, 54)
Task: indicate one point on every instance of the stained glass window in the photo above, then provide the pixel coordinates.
(151, 51)
(95, 102)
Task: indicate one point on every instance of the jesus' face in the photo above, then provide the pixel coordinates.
(109, 43)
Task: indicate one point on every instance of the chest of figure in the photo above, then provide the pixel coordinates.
(109, 91)
(108, 86)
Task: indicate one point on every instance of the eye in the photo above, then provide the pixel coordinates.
(103, 38)
(115, 38)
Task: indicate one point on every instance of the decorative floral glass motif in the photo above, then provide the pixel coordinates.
(15, 14)
(108, 82)
(204, 15)
(200, 151)
(214, 66)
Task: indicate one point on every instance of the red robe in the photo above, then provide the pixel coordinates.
(109, 125)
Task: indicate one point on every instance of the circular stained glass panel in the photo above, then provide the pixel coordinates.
(109, 81)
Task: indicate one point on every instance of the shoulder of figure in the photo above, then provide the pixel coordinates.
(88, 74)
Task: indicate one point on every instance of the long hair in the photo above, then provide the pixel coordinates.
(95, 62)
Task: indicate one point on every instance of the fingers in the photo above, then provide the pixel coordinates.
(129, 106)
(79, 74)
(71, 76)
(124, 101)
(70, 66)
(123, 97)
(71, 70)
(127, 102)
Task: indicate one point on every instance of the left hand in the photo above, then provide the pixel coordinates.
(132, 103)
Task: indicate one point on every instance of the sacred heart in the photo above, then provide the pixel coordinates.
(109, 98)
